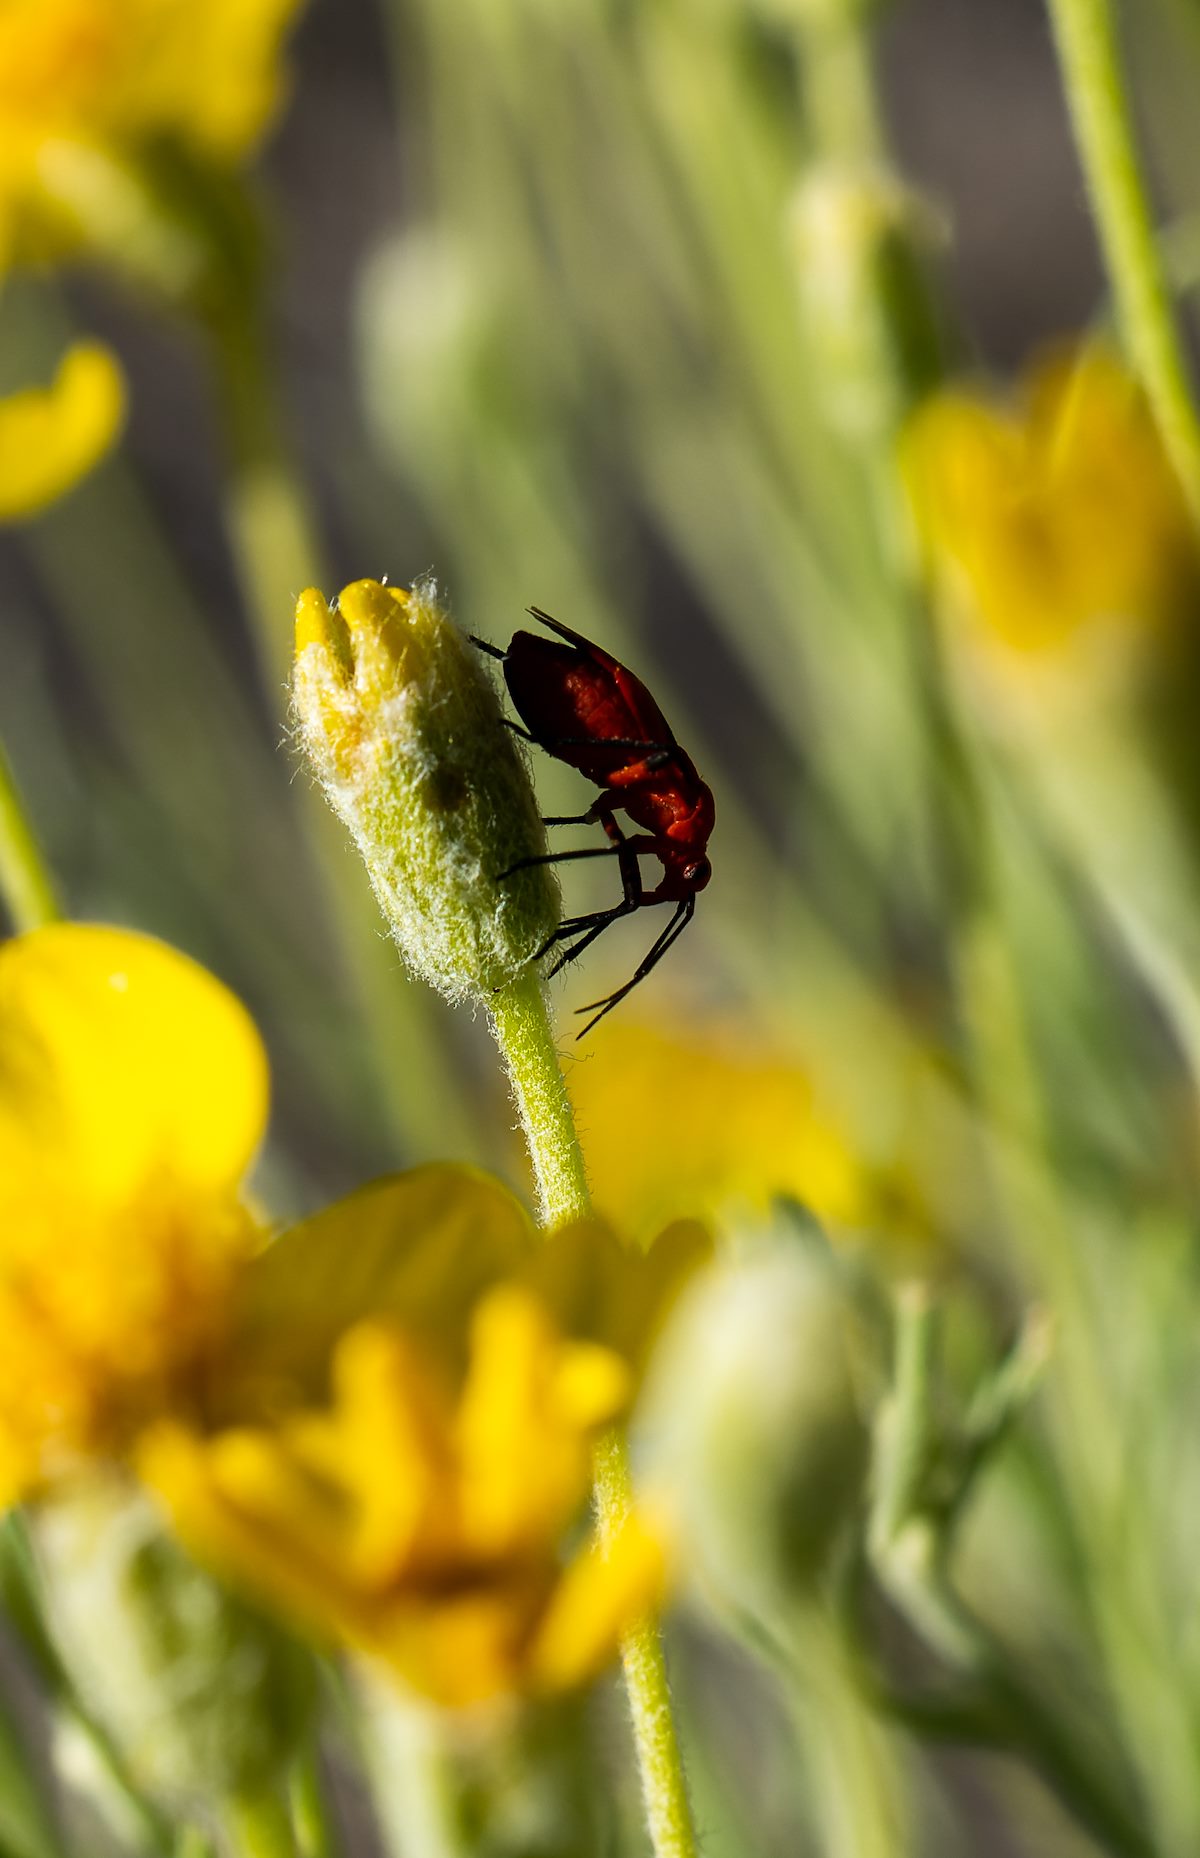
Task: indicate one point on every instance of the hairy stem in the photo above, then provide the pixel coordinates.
(521, 1023)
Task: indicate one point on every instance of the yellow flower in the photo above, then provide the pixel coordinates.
(421, 1521)
(382, 1422)
(51, 437)
(115, 76)
(1053, 516)
(398, 1435)
(133, 1096)
(674, 1120)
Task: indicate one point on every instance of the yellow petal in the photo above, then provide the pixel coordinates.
(419, 1247)
(458, 1650)
(615, 1293)
(123, 1065)
(1041, 519)
(600, 1596)
(235, 1505)
(525, 1453)
(678, 1122)
(51, 437)
(216, 72)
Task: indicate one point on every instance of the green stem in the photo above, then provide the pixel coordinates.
(521, 1022)
(26, 885)
(260, 1826)
(852, 1772)
(193, 1842)
(664, 1783)
(24, 1607)
(316, 1834)
(270, 519)
(1002, 1710)
(1098, 97)
(995, 1706)
(414, 1785)
(841, 98)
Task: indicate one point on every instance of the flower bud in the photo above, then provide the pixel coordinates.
(406, 736)
(203, 1698)
(757, 1422)
(859, 237)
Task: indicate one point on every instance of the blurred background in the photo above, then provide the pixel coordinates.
(623, 311)
(465, 257)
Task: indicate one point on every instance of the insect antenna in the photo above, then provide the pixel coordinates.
(671, 934)
(564, 632)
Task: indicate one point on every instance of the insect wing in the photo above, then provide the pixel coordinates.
(572, 705)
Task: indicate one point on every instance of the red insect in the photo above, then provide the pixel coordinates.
(585, 708)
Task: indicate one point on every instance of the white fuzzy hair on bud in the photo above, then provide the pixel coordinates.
(404, 731)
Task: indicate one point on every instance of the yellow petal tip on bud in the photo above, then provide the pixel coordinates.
(405, 733)
(313, 615)
(372, 603)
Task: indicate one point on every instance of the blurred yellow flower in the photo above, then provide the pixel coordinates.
(116, 76)
(423, 1325)
(675, 1122)
(421, 1519)
(133, 1096)
(1053, 514)
(50, 437)
(382, 1422)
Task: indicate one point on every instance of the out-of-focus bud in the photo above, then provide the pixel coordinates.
(406, 736)
(858, 236)
(427, 343)
(755, 1420)
(204, 1698)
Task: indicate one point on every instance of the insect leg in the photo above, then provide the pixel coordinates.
(570, 819)
(571, 926)
(674, 929)
(585, 941)
(634, 897)
(587, 851)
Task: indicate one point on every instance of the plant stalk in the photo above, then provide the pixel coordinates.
(26, 886)
(521, 1022)
(1089, 56)
(260, 1826)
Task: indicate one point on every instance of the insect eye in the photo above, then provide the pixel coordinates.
(698, 873)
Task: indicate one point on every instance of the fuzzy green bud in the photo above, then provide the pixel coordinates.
(404, 730)
(756, 1417)
(205, 1700)
(860, 238)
